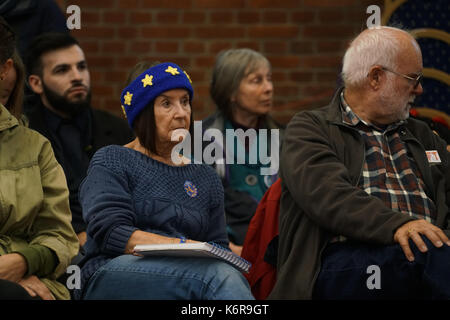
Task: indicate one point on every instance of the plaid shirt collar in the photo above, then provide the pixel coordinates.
(350, 118)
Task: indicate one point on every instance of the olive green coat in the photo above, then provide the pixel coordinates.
(34, 203)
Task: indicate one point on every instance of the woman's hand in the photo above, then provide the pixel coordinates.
(36, 287)
(13, 267)
(142, 237)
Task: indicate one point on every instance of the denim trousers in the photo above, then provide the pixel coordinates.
(353, 270)
(167, 278)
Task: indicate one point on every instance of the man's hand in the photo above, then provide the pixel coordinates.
(413, 230)
(36, 287)
(13, 267)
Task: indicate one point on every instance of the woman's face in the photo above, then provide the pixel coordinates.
(172, 112)
(255, 92)
(7, 85)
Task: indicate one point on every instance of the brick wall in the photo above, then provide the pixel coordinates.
(303, 39)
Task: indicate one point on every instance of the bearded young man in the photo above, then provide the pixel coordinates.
(360, 190)
(58, 75)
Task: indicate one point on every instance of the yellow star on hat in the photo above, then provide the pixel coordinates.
(171, 70)
(147, 81)
(127, 98)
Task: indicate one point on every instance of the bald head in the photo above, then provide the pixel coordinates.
(383, 46)
(380, 71)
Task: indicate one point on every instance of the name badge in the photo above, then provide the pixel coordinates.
(433, 156)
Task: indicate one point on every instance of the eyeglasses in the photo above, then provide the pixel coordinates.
(416, 80)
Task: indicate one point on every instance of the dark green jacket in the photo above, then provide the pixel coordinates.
(321, 163)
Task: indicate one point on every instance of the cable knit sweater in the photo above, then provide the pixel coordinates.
(125, 191)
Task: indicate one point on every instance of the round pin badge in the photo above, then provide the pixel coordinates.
(251, 180)
(190, 189)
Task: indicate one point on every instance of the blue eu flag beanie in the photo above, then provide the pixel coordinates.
(150, 84)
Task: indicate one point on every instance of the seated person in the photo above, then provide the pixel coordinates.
(37, 241)
(358, 192)
(60, 109)
(142, 193)
(242, 90)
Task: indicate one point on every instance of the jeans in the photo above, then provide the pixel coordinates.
(167, 278)
(353, 270)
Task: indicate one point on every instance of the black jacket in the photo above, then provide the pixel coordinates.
(106, 129)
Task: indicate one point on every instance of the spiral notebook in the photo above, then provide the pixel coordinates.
(201, 249)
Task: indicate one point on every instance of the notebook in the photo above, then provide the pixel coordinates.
(201, 249)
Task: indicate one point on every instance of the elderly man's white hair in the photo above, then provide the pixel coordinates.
(375, 46)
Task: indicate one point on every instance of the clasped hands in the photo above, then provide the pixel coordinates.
(13, 267)
(414, 229)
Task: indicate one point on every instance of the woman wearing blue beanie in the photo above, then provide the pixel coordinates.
(136, 194)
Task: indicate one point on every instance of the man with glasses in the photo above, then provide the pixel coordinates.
(371, 218)
(416, 79)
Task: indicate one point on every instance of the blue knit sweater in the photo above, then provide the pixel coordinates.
(125, 191)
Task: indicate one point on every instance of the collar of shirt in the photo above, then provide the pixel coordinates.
(350, 118)
(82, 121)
(54, 121)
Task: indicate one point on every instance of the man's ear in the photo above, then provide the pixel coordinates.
(376, 76)
(5, 68)
(35, 83)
